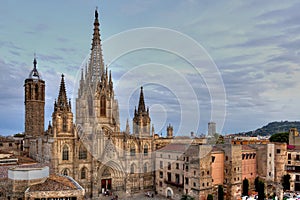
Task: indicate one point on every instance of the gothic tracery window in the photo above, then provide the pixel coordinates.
(145, 168)
(65, 153)
(64, 124)
(65, 172)
(132, 150)
(82, 153)
(103, 106)
(132, 169)
(146, 150)
(90, 105)
(83, 173)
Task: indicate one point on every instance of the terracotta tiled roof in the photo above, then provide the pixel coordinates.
(55, 183)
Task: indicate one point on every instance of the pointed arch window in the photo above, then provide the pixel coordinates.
(132, 169)
(90, 105)
(65, 153)
(83, 173)
(146, 150)
(82, 153)
(64, 124)
(103, 106)
(30, 92)
(65, 172)
(36, 92)
(43, 93)
(132, 150)
(145, 168)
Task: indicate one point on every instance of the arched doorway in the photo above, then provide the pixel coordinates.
(169, 193)
(110, 178)
(106, 180)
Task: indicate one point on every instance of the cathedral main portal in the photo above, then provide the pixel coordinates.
(110, 178)
(106, 181)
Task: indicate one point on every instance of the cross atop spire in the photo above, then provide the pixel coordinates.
(142, 107)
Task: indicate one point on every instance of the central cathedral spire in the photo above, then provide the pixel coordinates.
(96, 64)
(96, 103)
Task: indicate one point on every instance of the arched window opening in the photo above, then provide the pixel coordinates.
(132, 169)
(65, 153)
(65, 172)
(132, 150)
(65, 124)
(83, 173)
(145, 168)
(103, 106)
(90, 105)
(30, 92)
(36, 92)
(146, 150)
(82, 153)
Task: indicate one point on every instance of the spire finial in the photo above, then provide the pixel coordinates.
(34, 61)
(34, 73)
(96, 13)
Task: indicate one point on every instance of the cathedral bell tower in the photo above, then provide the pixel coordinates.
(34, 103)
(141, 120)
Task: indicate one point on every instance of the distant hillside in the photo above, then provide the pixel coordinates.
(273, 127)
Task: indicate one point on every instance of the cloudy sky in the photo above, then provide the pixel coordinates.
(233, 62)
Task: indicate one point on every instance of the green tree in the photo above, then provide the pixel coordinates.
(261, 190)
(210, 197)
(187, 197)
(286, 182)
(280, 137)
(256, 184)
(19, 135)
(220, 192)
(245, 187)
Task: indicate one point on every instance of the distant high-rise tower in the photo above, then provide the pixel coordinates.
(169, 131)
(211, 128)
(141, 120)
(34, 103)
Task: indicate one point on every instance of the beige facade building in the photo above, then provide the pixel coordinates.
(292, 166)
(183, 168)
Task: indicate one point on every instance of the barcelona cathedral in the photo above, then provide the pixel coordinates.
(92, 150)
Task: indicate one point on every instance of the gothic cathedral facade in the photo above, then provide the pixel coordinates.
(92, 150)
